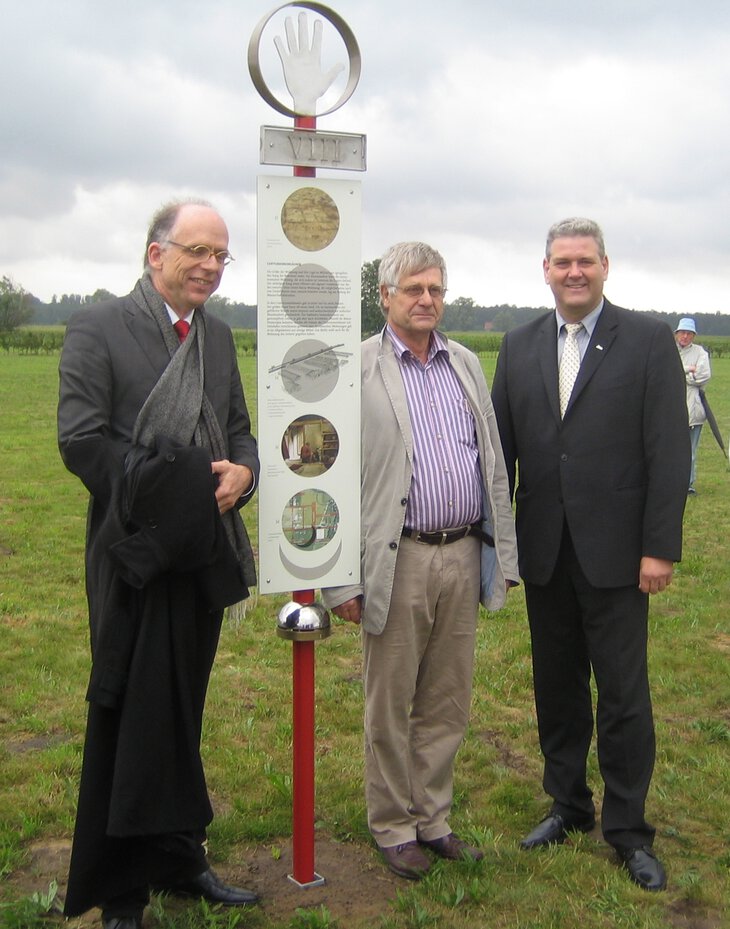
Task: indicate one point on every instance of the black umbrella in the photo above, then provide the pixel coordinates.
(712, 421)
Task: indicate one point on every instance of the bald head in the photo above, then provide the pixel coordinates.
(184, 279)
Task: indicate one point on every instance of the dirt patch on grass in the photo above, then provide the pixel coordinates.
(36, 743)
(508, 758)
(687, 915)
(357, 890)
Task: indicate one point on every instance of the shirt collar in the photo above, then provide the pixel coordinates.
(589, 321)
(437, 344)
(174, 317)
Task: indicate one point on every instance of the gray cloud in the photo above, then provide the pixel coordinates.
(485, 123)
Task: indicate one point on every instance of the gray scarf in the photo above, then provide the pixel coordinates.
(179, 409)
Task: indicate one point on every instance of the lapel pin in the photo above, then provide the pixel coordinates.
(599, 347)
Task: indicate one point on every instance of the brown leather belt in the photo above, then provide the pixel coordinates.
(448, 536)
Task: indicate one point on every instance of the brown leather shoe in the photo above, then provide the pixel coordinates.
(452, 847)
(406, 860)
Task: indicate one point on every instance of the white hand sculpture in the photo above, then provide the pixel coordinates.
(303, 66)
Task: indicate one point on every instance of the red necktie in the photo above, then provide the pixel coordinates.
(182, 328)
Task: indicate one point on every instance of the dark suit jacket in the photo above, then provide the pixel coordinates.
(142, 773)
(113, 356)
(616, 468)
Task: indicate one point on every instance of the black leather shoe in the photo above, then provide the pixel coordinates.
(123, 922)
(553, 830)
(211, 888)
(644, 867)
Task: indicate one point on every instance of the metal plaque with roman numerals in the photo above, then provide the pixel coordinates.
(312, 148)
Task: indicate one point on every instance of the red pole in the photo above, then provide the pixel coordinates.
(303, 761)
(303, 703)
(305, 122)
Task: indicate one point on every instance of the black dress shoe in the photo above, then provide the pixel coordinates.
(123, 922)
(553, 830)
(211, 888)
(644, 867)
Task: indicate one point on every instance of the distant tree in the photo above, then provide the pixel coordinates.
(99, 296)
(503, 321)
(237, 315)
(15, 308)
(221, 307)
(371, 320)
(460, 316)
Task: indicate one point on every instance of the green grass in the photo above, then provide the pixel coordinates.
(247, 737)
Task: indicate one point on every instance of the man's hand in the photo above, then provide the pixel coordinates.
(302, 65)
(351, 610)
(655, 574)
(233, 481)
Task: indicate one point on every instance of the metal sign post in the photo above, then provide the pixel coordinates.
(308, 413)
(303, 781)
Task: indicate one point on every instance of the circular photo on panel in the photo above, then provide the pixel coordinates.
(310, 219)
(309, 446)
(310, 520)
(310, 296)
(310, 370)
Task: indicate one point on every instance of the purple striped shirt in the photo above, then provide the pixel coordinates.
(446, 485)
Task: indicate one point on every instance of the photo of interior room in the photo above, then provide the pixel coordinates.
(310, 446)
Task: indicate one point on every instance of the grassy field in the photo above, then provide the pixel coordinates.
(247, 737)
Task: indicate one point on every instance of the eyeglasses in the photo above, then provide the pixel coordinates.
(416, 291)
(204, 252)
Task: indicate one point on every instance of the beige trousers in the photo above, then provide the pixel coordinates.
(417, 677)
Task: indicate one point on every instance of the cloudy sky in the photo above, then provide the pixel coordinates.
(486, 120)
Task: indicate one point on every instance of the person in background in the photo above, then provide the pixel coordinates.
(152, 418)
(438, 537)
(591, 410)
(696, 364)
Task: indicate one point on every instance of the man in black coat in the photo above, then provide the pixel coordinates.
(153, 420)
(590, 405)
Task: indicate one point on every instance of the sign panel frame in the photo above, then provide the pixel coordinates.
(308, 348)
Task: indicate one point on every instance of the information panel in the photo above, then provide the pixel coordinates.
(308, 347)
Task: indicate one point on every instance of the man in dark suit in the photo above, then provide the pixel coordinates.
(153, 420)
(590, 405)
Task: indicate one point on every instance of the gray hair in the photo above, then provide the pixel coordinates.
(575, 226)
(405, 258)
(163, 222)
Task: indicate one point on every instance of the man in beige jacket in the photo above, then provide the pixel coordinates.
(438, 538)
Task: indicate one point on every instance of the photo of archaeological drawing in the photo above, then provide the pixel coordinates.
(310, 519)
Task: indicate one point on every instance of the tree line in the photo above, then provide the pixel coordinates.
(20, 308)
(464, 315)
(60, 309)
